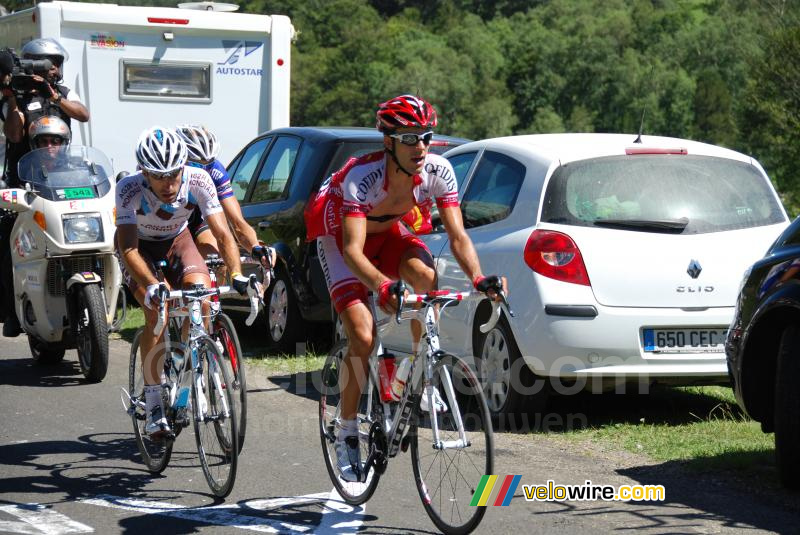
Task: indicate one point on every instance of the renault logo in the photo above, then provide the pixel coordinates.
(694, 269)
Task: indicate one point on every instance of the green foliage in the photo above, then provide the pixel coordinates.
(720, 71)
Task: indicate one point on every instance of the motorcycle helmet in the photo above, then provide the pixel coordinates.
(48, 126)
(45, 48)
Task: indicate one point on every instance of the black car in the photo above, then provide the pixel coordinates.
(763, 349)
(273, 177)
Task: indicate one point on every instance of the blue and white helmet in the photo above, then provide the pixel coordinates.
(200, 142)
(161, 151)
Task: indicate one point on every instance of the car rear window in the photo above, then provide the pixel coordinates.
(669, 193)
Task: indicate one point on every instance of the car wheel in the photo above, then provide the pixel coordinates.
(282, 315)
(510, 387)
(787, 409)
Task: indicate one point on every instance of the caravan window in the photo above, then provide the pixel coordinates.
(165, 81)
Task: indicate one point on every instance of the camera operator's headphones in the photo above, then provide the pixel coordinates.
(46, 48)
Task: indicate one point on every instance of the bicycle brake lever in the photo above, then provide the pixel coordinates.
(162, 308)
(255, 300)
(399, 290)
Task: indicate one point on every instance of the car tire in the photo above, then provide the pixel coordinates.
(515, 395)
(282, 315)
(787, 409)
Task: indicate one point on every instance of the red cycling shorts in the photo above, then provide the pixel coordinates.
(384, 250)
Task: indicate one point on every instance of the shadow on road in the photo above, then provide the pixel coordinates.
(728, 498)
(27, 372)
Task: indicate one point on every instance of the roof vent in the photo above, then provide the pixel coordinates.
(209, 6)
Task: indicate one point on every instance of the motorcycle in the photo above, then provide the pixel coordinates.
(67, 279)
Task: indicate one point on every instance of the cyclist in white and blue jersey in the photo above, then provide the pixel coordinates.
(203, 148)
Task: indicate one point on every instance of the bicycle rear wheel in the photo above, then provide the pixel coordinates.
(447, 477)
(225, 335)
(155, 453)
(215, 419)
(354, 493)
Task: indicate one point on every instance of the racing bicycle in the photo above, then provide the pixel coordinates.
(452, 446)
(197, 386)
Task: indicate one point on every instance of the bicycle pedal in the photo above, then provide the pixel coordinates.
(405, 443)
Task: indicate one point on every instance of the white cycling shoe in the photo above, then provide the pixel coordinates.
(438, 401)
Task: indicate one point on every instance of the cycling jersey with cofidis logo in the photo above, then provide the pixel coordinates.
(138, 205)
(359, 186)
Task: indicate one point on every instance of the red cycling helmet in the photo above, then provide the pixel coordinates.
(405, 111)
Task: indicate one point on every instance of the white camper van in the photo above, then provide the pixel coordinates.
(135, 67)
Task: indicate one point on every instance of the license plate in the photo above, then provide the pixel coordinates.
(78, 193)
(696, 340)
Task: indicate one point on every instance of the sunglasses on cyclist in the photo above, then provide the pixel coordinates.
(170, 175)
(413, 139)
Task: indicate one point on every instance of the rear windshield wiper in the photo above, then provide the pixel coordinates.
(658, 224)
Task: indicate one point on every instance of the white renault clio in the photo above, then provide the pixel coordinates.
(623, 256)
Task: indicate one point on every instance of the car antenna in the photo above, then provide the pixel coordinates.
(644, 108)
(641, 126)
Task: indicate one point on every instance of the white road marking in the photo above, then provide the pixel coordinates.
(37, 519)
(336, 514)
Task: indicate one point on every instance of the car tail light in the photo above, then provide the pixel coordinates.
(555, 255)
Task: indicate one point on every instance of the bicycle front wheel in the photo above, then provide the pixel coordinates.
(448, 472)
(215, 419)
(228, 340)
(155, 453)
(358, 492)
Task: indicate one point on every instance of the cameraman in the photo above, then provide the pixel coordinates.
(51, 98)
(20, 112)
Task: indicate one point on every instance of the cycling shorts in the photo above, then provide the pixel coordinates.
(384, 250)
(181, 255)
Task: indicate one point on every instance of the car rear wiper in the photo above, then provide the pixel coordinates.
(660, 224)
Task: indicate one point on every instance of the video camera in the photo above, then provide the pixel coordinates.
(22, 72)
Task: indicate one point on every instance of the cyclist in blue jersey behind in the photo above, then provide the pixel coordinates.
(203, 148)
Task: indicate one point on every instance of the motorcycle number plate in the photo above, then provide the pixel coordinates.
(78, 193)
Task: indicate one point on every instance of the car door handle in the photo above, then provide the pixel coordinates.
(263, 225)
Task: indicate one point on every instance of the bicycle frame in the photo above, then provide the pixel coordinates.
(191, 307)
(396, 417)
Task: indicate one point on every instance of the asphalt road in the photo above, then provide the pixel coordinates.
(69, 464)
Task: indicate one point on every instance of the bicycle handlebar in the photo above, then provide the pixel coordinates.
(446, 295)
(203, 293)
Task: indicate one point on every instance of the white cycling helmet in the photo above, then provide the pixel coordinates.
(200, 142)
(160, 150)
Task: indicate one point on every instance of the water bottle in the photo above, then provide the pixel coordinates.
(400, 378)
(385, 372)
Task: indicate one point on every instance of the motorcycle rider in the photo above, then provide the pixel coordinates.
(153, 209)
(19, 112)
(203, 148)
(54, 134)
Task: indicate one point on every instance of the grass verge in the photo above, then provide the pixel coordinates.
(700, 427)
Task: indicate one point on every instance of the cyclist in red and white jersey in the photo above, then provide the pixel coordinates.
(357, 219)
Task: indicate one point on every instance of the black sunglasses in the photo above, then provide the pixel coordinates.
(413, 139)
